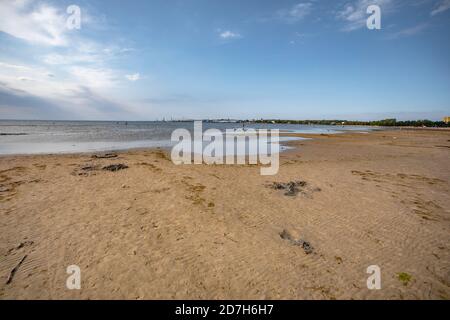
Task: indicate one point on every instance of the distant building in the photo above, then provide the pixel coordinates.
(446, 119)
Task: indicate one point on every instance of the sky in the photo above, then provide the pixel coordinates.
(248, 59)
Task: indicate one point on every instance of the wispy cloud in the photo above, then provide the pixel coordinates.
(73, 69)
(17, 104)
(227, 34)
(300, 38)
(408, 32)
(442, 6)
(290, 15)
(295, 13)
(85, 52)
(36, 23)
(13, 66)
(355, 15)
(95, 77)
(67, 59)
(133, 77)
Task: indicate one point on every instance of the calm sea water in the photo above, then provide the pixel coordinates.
(33, 137)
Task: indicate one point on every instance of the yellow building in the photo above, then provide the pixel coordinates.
(446, 119)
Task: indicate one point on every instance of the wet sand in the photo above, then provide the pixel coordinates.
(159, 231)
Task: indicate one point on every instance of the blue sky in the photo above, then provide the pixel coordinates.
(145, 60)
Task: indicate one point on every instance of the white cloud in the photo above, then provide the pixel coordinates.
(133, 77)
(14, 66)
(40, 24)
(74, 71)
(99, 78)
(25, 79)
(444, 5)
(67, 88)
(43, 85)
(296, 13)
(67, 59)
(84, 51)
(229, 35)
(78, 93)
(355, 14)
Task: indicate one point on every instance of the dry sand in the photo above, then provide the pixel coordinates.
(160, 231)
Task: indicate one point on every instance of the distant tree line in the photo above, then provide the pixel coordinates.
(381, 123)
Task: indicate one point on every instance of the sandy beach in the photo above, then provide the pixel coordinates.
(159, 231)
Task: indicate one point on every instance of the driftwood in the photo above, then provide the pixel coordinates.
(14, 270)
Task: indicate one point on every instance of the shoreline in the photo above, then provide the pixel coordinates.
(131, 149)
(301, 136)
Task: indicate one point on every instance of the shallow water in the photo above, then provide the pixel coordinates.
(36, 137)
